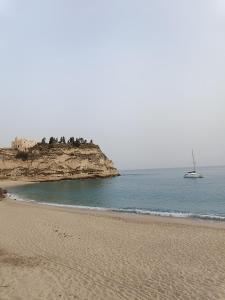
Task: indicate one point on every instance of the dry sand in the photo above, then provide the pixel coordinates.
(9, 183)
(54, 253)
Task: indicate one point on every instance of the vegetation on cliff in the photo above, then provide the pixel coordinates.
(54, 143)
(71, 141)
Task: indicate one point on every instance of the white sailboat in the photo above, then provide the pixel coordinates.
(193, 174)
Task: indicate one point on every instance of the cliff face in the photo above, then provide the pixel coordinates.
(55, 162)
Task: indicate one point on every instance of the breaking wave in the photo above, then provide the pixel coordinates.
(174, 214)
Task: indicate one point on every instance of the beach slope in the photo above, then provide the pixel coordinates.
(53, 253)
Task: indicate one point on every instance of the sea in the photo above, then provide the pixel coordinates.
(161, 192)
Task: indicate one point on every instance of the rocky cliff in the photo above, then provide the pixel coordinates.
(55, 162)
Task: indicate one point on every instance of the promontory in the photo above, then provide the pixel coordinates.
(57, 159)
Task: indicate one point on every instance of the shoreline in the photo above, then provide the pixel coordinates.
(11, 183)
(108, 213)
(112, 214)
(138, 212)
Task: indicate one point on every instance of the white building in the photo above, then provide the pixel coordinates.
(23, 144)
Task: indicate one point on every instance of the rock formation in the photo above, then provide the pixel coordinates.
(55, 162)
(2, 193)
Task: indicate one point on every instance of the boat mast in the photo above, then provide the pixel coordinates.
(194, 163)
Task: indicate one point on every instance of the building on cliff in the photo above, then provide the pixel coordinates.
(22, 144)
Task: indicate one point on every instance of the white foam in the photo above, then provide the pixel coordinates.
(17, 198)
(127, 210)
(75, 206)
(171, 214)
(155, 213)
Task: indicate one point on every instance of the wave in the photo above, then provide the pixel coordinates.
(17, 198)
(173, 214)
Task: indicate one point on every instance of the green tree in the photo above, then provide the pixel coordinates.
(51, 140)
(43, 141)
(77, 143)
(71, 141)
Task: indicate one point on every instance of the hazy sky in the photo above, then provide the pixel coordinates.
(144, 79)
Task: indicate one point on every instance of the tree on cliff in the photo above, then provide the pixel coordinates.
(53, 140)
(77, 143)
(62, 140)
(71, 140)
(43, 141)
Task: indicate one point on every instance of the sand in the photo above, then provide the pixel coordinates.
(9, 183)
(54, 253)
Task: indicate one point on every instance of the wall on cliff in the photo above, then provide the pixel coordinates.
(55, 162)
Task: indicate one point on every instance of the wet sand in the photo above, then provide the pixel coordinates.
(58, 253)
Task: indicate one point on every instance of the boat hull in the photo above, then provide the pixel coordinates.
(193, 175)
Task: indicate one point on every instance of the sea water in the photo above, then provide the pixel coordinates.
(157, 191)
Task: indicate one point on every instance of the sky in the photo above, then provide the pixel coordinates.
(144, 79)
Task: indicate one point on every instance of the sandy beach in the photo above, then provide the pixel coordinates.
(57, 253)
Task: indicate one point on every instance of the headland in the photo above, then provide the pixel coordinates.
(55, 160)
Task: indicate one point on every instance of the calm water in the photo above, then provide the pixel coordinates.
(159, 191)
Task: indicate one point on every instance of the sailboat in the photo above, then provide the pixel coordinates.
(193, 174)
